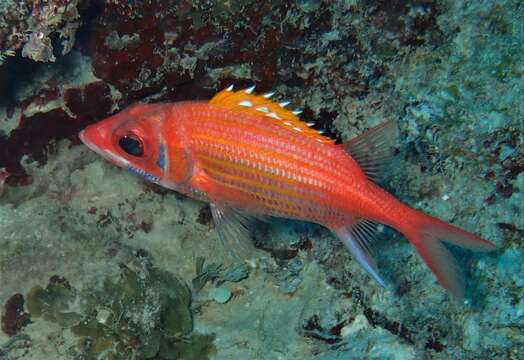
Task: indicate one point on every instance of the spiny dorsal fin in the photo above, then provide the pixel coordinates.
(373, 149)
(261, 105)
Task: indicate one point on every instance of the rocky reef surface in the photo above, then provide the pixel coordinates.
(96, 263)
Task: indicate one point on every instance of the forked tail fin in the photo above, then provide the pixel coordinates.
(426, 233)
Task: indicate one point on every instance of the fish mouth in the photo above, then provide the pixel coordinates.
(106, 154)
(89, 144)
(81, 136)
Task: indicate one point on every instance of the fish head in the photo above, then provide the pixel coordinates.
(132, 139)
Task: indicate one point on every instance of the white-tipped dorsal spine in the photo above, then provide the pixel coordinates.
(245, 103)
(274, 116)
(265, 109)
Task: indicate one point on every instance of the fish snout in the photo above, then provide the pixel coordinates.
(95, 138)
(81, 136)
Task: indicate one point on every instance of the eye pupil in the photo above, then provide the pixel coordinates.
(131, 145)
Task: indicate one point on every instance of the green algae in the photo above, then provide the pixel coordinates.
(144, 313)
(204, 274)
(215, 272)
(220, 294)
(53, 303)
(196, 348)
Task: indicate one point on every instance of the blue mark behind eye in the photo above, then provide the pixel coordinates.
(161, 162)
(143, 173)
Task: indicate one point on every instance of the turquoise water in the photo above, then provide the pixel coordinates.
(97, 263)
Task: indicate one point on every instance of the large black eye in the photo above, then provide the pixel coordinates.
(131, 145)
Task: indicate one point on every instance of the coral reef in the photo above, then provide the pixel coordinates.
(450, 74)
(145, 313)
(38, 27)
(54, 110)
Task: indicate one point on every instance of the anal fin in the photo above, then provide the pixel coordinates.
(358, 239)
(233, 228)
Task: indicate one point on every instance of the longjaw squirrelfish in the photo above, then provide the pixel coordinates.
(248, 156)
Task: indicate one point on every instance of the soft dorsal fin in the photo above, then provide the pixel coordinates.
(246, 101)
(373, 149)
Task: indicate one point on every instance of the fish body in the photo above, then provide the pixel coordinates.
(248, 155)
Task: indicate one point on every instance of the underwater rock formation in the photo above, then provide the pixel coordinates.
(39, 28)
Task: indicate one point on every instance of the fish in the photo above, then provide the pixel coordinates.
(252, 157)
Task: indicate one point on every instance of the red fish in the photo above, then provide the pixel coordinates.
(248, 155)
